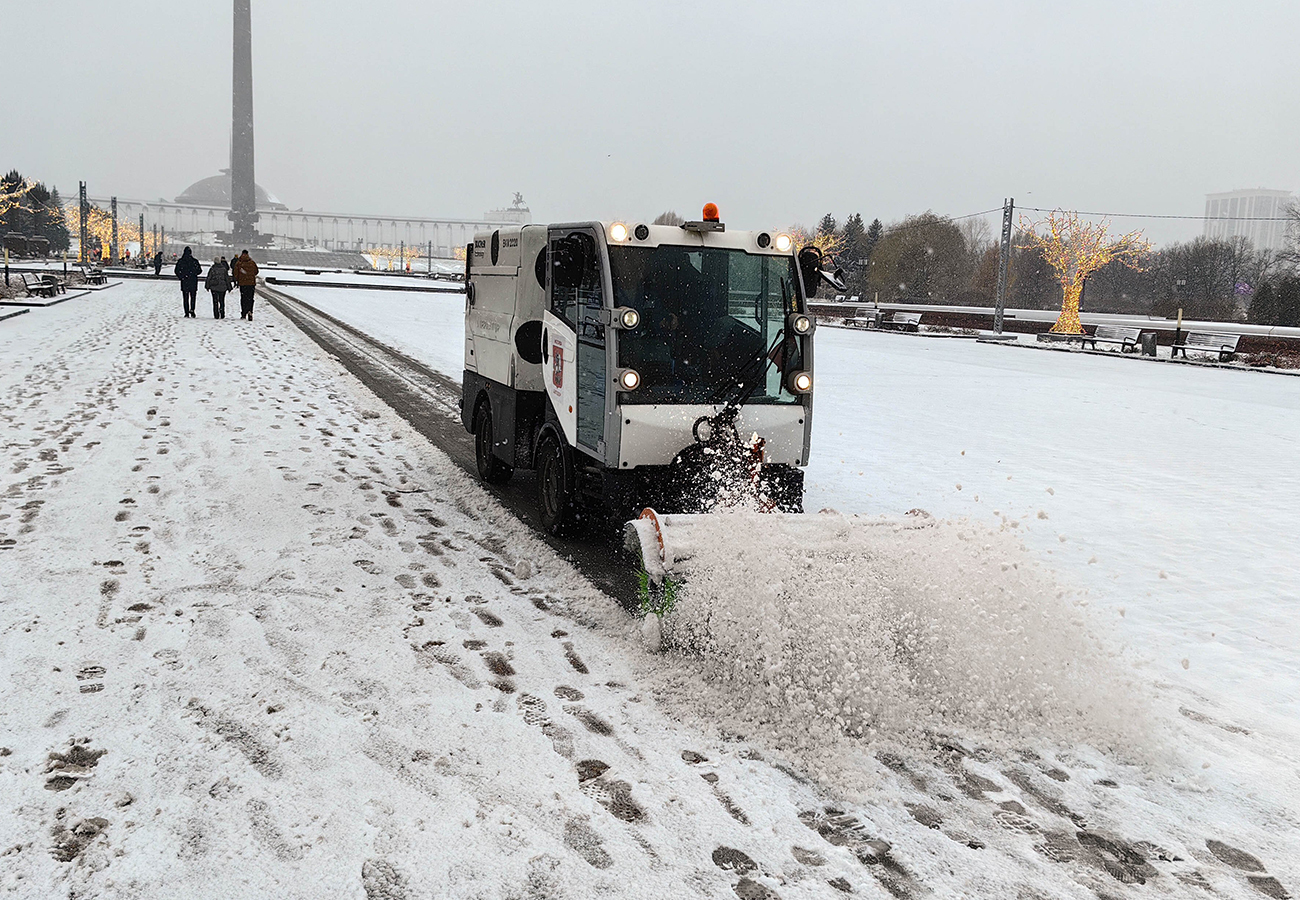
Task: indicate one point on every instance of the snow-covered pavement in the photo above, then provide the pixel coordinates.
(258, 638)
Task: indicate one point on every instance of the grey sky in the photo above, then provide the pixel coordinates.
(778, 112)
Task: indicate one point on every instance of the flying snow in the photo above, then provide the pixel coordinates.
(894, 629)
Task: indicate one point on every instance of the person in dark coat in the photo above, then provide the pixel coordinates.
(218, 283)
(246, 276)
(188, 271)
(157, 264)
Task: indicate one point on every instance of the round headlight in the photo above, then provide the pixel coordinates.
(631, 318)
(783, 243)
(642, 232)
(801, 324)
(764, 240)
(618, 232)
(629, 380)
(801, 382)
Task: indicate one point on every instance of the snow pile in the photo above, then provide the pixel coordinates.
(826, 625)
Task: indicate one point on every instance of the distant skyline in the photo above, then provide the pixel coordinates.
(599, 110)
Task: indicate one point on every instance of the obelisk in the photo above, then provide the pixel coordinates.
(243, 192)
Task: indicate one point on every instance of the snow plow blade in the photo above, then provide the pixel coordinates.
(667, 545)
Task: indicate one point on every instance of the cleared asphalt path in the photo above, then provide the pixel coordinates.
(429, 401)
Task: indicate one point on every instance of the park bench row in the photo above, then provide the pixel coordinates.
(50, 285)
(1127, 337)
(897, 321)
(1225, 345)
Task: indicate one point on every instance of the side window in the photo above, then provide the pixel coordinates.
(575, 275)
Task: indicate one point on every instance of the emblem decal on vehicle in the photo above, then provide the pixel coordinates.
(557, 365)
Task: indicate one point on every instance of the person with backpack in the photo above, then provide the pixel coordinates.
(218, 283)
(246, 277)
(188, 271)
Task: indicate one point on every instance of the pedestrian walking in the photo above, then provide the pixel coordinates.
(188, 271)
(246, 278)
(157, 264)
(218, 283)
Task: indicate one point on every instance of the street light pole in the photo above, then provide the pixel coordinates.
(1004, 257)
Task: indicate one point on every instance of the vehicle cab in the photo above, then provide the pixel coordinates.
(605, 355)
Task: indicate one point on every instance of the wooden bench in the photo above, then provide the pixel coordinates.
(60, 286)
(37, 286)
(866, 318)
(902, 321)
(1207, 342)
(94, 276)
(1126, 337)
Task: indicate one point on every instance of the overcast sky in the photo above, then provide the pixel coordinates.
(778, 112)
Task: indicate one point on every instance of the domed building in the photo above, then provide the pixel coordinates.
(215, 191)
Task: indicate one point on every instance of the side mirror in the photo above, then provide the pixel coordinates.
(469, 293)
(570, 259)
(834, 279)
(810, 267)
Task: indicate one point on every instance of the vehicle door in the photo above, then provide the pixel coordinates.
(573, 348)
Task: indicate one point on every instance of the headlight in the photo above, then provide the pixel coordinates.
(800, 323)
(618, 232)
(800, 382)
(630, 318)
(783, 243)
(629, 380)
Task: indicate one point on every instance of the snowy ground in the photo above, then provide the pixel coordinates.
(259, 638)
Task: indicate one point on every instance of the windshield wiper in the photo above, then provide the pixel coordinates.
(737, 388)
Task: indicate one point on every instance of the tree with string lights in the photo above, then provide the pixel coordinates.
(13, 195)
(1074, 249)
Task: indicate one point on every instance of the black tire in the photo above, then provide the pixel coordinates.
(554, 490)
(784, 485)
(490, 468)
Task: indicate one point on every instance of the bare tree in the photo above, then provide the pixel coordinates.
(1289, 256)
(668, 218)
(978, 235)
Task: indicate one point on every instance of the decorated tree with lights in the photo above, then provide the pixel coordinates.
(830, 243)
(1074, 249)
(13, 196)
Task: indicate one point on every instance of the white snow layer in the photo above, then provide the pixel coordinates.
(258, 638)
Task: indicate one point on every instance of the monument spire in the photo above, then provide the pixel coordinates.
(243, 191)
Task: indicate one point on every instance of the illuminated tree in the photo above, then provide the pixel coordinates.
(99, 224)
(390, 255)
(13, 195)
(1074, 249)
(830, 243)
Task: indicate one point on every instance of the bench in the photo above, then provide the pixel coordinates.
(902, 321)
(94, 276)
(1207, 342)
(60, 286)
(1126, 337)
(866, 318)
(36, 286)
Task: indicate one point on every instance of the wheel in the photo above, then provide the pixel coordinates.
(554, 493)
(784, 485)
(490, 468)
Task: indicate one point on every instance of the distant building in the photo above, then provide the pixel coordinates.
(215, 191)
(1231, 214)
(199, 213)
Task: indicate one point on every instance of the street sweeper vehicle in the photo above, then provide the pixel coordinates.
(638, 366)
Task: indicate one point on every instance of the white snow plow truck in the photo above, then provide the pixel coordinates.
(635, 365)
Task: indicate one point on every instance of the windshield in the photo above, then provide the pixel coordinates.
(709, 317)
